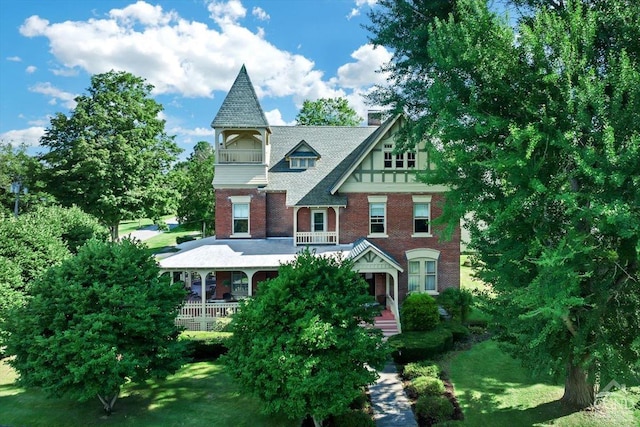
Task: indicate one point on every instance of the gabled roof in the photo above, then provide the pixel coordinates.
(363, 246)
(310, 187)
(350, 163)
(303, 149)
(241, 108)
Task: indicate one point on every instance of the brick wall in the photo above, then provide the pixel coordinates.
(257, 216)
(279, 217)
(354, 223)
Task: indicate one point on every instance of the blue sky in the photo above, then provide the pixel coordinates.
(190, 50)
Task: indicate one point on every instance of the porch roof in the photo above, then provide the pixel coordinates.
(231, 254)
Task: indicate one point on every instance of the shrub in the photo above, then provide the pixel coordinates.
(420, 369)
(222, 324)
(457, 302)
(187, 238)
(477, 330)
(434, 409)
(458, 330)
(416, 346)
(353, 419)
(419, 312)
(202, 346)
(423, 386)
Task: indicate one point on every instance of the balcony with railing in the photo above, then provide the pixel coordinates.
(239, 156)
(316, 238)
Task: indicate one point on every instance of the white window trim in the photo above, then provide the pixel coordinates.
(421, 199)
(324, 220)
(424, 255)
(241, 200)
(378, 200)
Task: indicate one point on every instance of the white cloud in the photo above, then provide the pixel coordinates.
(359, 4)
(14, 59)
(64, 72)
(144, 13)
(67, 98)
(365, 71)
(226, 12)
(260, 13)
(31, 69)
(30, 136)
(199, 131)
(274, 117)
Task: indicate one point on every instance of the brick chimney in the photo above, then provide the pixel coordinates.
(374, 118)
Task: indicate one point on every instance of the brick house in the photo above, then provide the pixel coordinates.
(335, 189)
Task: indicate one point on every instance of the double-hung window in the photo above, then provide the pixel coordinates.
(423, 270)
(240, 212)
(421, 216)
(378, 216)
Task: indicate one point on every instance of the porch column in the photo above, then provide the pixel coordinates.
(336, 209)
(396, 309)
(250, 274)
(295, 225)
(203, 298)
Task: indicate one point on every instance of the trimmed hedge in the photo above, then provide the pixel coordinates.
(458, 330)
(419, 312)
(187, 238)
(416, 346)
(427, 386)
(434, 409)
(204, 346)
(420, 369)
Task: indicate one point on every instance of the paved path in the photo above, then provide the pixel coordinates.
(149, 231)
(391, 407)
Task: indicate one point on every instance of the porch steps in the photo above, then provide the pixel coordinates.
(386, 322)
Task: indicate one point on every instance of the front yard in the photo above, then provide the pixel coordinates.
(199, 394)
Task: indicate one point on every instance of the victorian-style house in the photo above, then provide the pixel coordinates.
(335, 189)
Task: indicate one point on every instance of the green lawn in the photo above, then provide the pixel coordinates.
(200, 394)
(494, 390)
(167, 240)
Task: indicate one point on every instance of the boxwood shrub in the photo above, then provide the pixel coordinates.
(203, 346)
(423, 386)
(434, 409)
(420, 369)
(458, 330)
(416, 346)
(419, 312)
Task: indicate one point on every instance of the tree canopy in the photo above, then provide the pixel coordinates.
(95, 321)
(536, 132)
(17, 166)
(194, 182)
(327, 112)
(299, 344)
(111, 155)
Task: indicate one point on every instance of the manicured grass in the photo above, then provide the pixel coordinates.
(467, 280)
(165, 241)
(495, 390)
(200, 394)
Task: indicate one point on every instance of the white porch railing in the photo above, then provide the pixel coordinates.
(391, 304)
(239, 156)
(194, 318)
(316, 238)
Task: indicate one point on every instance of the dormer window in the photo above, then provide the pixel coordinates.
(302, 156)
(302, 162)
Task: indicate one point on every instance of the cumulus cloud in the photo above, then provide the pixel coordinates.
(226, 12)
(359, 4)
(274, 117)
(260, 13)
(365, 70)
(14, 59)
(55, 94)
(31, 69)
(30, 136)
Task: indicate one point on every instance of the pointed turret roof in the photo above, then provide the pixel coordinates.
(241, 108)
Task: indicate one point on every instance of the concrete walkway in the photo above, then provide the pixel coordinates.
(149, 231)
(391, 407)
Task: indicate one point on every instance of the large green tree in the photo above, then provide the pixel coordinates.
(299, 344)
(327, 112)
(194, 182)
(536, 131)
(96, 321)
(111, 155)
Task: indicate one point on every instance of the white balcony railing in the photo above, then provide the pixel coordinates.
(316, 238)
(238, 156)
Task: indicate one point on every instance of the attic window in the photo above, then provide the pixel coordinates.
(302, 162)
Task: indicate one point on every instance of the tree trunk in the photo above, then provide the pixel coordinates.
(579, 389)
(113, 229)
(316, 422)
(108, 403)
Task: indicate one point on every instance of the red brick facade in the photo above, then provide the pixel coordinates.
(269, 217)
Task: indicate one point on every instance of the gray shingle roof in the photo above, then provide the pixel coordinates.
(241, 108)
(310, 187)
